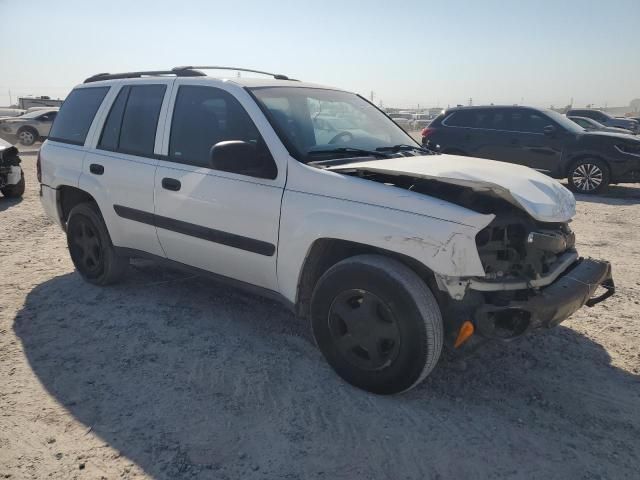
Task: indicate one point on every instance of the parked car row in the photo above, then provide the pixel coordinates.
(604, 118)
(412, 121)
(541, 139)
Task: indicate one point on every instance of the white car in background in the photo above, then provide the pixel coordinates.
(402, 119)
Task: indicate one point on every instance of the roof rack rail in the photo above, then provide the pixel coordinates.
(178, 72)
(276, 76)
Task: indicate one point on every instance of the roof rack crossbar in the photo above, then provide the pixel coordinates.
(277, 76)
(150, 73)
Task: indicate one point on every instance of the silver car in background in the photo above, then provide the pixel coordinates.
(30, 127)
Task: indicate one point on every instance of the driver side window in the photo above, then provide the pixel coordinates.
(204, 116)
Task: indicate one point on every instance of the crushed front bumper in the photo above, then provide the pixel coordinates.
(548, 306)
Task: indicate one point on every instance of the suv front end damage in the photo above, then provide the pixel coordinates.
(533, 276)
(534, 279)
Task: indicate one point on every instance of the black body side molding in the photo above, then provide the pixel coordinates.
(217, 236)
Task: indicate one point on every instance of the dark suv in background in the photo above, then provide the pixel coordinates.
(540, 139)
(604, 118)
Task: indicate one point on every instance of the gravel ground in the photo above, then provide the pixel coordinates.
(172, 376)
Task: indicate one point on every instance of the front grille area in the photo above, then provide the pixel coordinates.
(522, 249)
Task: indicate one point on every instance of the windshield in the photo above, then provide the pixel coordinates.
(311, 120)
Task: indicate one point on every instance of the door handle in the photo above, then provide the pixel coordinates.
(96, 169)
(171, 184)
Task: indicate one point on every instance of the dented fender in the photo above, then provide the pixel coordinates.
(445, 247)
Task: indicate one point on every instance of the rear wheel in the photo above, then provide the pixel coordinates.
(589, 176)
(90, 246)
(377, 323)
(14, 191)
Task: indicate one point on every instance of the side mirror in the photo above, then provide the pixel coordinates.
(550, 130)
(234, 156)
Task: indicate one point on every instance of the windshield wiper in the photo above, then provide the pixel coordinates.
(403, 148)
(349, 150)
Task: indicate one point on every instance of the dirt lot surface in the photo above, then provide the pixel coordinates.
(170, 376)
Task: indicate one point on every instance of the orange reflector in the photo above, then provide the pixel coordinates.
(466, 330)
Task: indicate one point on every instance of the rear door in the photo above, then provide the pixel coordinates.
(120, 168)
(224, 221)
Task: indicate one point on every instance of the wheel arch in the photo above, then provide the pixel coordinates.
(583, 156)
(326, 252)
(68, 197)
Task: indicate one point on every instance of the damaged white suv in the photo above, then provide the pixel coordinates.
(312, 195)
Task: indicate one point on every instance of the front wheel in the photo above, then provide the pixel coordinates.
(27, 136)
(377, 323)
(90, 246)
(589, 176)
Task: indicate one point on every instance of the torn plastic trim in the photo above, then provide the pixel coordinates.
(457, 287)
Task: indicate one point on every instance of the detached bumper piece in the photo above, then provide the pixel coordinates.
(550, 305)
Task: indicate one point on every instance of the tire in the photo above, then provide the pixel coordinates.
(14, 191)
(27, 136)
(589, 176)
(90, 246)
(405, 342)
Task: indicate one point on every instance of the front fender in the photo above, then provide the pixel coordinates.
(446, 248)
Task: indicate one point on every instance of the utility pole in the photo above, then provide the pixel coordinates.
(10, 99)
(372, 95)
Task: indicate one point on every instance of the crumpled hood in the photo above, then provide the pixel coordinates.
(537, 194)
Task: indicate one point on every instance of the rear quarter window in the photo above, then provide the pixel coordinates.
(76, 114)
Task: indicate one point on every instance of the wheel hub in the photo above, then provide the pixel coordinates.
(587, 177)
(364, 329)
(86, 245)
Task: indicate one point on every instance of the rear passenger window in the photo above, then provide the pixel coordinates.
(461, 119)
(76, 115)
(140, 119)
(111, 131)
(205, 116)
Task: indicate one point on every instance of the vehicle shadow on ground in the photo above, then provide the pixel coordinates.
(188, 379)
(7, 203)
(614, 195)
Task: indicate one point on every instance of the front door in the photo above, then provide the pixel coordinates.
(221, 218)
(531, 146)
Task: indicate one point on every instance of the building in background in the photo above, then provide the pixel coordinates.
(28, 102)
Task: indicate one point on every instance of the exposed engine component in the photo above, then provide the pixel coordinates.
(512, 246)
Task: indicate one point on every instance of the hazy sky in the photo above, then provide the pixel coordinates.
(539, 52)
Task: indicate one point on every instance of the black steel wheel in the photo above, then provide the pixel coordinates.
(364, 329)
(588, 176)
(90, 246)
(377, 323)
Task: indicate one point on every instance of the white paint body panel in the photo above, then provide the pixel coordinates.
(323, 204)
(540, 196)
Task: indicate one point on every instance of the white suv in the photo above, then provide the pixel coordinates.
(390, 250)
